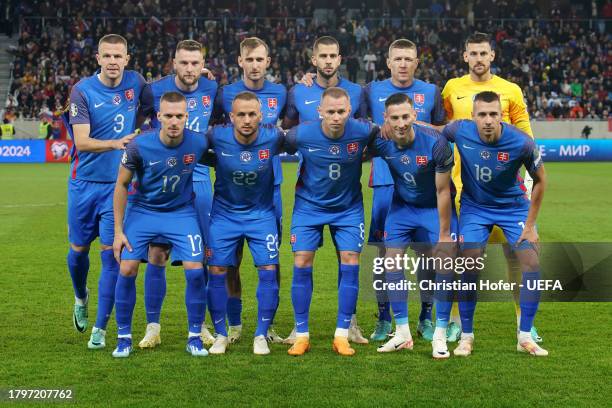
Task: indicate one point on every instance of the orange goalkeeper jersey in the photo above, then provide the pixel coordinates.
(457, 97)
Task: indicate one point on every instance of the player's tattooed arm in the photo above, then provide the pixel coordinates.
(119, 203)
(209, 158)
(291, 116)
(370, 150)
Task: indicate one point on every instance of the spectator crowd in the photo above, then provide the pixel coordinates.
(559, 55)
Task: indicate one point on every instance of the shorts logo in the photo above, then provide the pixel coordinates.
(171, 162)
(461, 238)
(503, 156)
(188, 159)
(129, 94)
(352, 148)
(264, 154)
(421, 160)
(272, 103)
(246, 156)
(191, 103)
(206, 101)
(208, 253)
(293, 238)
(485, 155)
(74, 110)
(124, 157)
(116, 99)
(334, 149)
(419, 98)
(405, 159)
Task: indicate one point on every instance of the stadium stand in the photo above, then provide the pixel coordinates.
(558, 51)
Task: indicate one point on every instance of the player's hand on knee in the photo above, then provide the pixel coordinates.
(118, 244)
(307, 79)
(446, 247)
(530, 234)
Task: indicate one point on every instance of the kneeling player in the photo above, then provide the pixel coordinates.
(163, 160)
(420, 161)
(243, 208)
(492, 153)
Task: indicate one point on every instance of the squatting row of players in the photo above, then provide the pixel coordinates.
(149, 196)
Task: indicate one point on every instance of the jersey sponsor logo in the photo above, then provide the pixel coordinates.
(264, 154)
(171, 162)
(405, 159)
(272, 103)
(206, 101)
(153, 163)
(116, 99)
(421, 160)
(419, 98)
(309, 102)
(129, 94)
(334, 149)
(188, 159)
(468, 147)
(97, 105)
(293, 238)
(485, 155)
(382, 99)
(310, 150)
(352, 148)
(503, 157)
(191, 103)
(460, 97)
(246, 156)
(74, 110)
(226, 154)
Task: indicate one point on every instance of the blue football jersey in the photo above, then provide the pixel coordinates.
(244, 183)
(330, 174)
(273, 98)
(414, 167)
(427, 104)
(199, 107)
(165, 174)
(490, 172)
(111, 114)
(303, 101)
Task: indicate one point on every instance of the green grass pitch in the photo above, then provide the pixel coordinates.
(39, 348)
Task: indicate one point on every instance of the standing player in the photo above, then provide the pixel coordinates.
(102, 115)
(163, 160)
(243, 208)
(402, 61)
(303, 105)
(328, 192)
(254, 60)
(420, 160)
(458, 94)
(200, 93)
(492, 154)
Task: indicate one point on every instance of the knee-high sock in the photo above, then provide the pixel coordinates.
(426, 274)
(384, 308)
(234, 311)
(106, 288)
(443, 299)
(529, 299)
(154, 291)
(125, 299)
(301, 295)
(267, 299)
(195, 299)
(277, 271)
(347, 294)
(205, 290)
(398, 297)
(467, 302)
(78, 266)
(217, 302)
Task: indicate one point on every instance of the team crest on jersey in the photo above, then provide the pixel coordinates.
(188, 159)
(272, 103)
(129, 94)
(419, 98)
(405, 159)
(74, 110)
(116, 99)
(246, 156)
(352, 148)
(503, 157)
(206, 101)
(334, 149)
(171, 162)
(485, 155)
(421, 160)
(293, 239)
(264, 154)
(191, 103)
